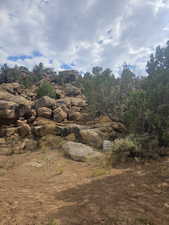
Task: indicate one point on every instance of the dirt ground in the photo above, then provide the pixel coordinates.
(46, 189)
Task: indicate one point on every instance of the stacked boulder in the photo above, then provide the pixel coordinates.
(68, 107)
(27, 121)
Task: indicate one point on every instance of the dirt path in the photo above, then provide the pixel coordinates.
(46, 189)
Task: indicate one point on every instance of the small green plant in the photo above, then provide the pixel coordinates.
(46, 89)
(122, 149)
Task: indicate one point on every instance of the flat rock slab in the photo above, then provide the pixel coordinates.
(80, 152)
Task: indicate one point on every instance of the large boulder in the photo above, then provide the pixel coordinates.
(43, 127)
(72, 101)
(24, 111)
(44, 112)
(13, 88)
(67, 129)
(75, 116)
(18, 99)
(72, 91)
(7, 111)
(11, 111)
(78, 101)
(39, 131)
(24, 129)
(110, 129)
(90, 137)
(45, 102)
(64, 101)
(80, 152)
(59, 115)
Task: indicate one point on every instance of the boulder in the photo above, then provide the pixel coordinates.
(18, 99)
(64, 101)
(45, 102)
(44, 112)
(90, 137)
(24, 129)
(11, 111)
(80, 152)
(119, 127)
(39, 131)
(78, 101)
(11, 131)
(75, 116)
(72, 91)
(111, 130)
(72, 101)
(75, 109)
(4, 104)
(13, 88)
(59, 115)
(8, 115)
(7, 111)
(44, 126)
(23, 111)
(65, 130)
(70, 137)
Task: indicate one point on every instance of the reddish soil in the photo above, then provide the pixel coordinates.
(46, 189)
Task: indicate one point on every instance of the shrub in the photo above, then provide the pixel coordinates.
(122, 149)
(46, 89)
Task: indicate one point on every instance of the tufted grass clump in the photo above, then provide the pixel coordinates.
(123, 149)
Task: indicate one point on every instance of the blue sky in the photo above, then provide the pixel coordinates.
(79, 34)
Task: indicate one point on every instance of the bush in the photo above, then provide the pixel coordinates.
(46, 89)
(122, 149)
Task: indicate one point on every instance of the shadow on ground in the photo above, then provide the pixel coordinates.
(135, 198)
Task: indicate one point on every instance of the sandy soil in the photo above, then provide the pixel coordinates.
(46, 189)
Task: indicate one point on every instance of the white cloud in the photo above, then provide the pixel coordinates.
(86, 33)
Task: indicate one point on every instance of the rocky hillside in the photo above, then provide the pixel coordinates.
(29, 122)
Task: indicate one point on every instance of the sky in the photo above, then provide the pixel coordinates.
(80, 34)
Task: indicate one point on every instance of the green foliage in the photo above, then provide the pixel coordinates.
(122, 149)
(101, 92)
(136, 111)
(46, 89)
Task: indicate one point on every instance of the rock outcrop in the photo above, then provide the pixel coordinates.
(27, 122)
